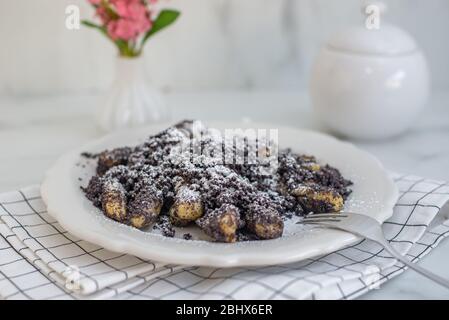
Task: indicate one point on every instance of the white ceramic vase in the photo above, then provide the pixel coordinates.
(130, 102)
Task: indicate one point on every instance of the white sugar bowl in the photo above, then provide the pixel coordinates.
(369, 84)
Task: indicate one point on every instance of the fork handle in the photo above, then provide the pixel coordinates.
(426, 273)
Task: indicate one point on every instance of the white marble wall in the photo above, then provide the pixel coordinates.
(217, 44)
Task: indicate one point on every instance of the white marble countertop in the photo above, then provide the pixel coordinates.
(35, 131)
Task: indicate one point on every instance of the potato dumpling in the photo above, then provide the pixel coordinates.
(318, 199)
(113, 200)
(187, 207)
(312, 166)
(145, 208)
(309, 163)
(221, 224)
(111, 158)
(265, 223)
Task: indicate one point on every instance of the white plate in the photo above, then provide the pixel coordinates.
(374, 194)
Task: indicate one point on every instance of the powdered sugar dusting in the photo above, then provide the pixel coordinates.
(181, 164)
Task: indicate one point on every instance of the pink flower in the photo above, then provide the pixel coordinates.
(134, 19)
(128, 21)
(123, 29)
(103, 14)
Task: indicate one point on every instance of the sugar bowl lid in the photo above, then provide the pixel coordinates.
(380, 39)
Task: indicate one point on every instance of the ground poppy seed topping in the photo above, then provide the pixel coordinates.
(235, 188)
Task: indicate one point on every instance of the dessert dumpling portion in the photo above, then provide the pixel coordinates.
(308, 162)
(111, 158)
(145, 208)
(331, 177)
(187, 206)
(221, 224)
(94, 190)
(318, 199)
(264, 222)
(113, 200)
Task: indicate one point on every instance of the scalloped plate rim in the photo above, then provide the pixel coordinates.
(58, 192)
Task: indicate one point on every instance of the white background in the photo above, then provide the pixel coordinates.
(216, 45)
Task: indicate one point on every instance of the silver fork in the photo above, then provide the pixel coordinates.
(369, 228)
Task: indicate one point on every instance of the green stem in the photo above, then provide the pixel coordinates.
(126, 50)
